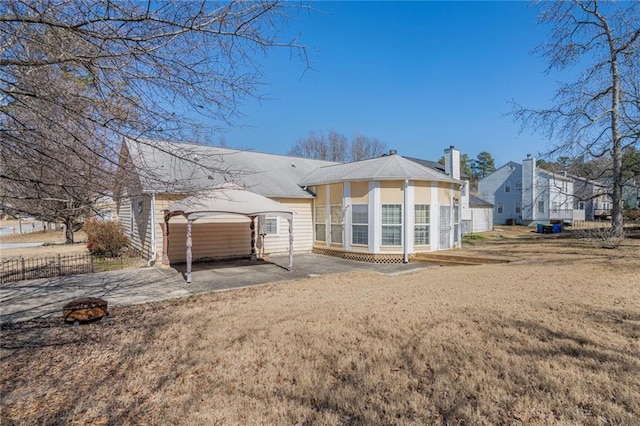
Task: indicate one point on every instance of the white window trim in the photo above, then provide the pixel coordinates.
(427, 224)
(273, 234)
(395, 225)
(353, 223)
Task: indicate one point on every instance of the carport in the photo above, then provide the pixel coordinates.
(225, 200)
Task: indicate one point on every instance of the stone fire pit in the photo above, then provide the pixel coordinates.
(85, 309)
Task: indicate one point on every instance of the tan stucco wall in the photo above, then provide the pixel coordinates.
(391, 192)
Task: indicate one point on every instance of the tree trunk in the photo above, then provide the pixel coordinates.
(617, 225)
(68, 231)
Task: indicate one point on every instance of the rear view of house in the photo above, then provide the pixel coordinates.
(173, 207)
(525, 194)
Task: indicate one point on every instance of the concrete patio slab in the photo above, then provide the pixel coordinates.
(24, 300)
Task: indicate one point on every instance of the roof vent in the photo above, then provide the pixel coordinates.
(293, 164)
(393, 152)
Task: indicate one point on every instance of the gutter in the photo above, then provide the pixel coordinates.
(405, 248)
(153, 231)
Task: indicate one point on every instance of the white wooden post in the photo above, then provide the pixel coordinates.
(254, 256)
(189, 244)
(290, 244)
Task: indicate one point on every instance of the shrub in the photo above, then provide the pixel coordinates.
(105, 238)
(605, 237)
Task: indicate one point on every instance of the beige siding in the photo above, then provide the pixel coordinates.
(336, 193)
(391, 192)
(210, 240)
(320, 192)
(444, 193)
(137, 230)
(422, 192)
(302, 229)
(359, 192)
(226, 236)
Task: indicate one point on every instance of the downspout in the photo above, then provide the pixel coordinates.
(153, 231)
(405, 243)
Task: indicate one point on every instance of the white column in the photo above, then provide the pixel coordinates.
(407, 241)
(189, 244)
(434, 231)
(375, 220)
(346, 220)
(290, 244)
(252, 225)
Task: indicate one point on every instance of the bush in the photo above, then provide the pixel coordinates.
(605, 237)
(105, 238)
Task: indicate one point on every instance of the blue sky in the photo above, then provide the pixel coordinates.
(419, 76)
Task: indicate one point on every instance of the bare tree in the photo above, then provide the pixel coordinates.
(335, 146)
(363, 147)
(58, 170)
(145, 69)
(598, 114)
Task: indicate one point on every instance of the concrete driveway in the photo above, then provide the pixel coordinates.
(41, 298)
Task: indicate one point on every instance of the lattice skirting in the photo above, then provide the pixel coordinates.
(361, 257)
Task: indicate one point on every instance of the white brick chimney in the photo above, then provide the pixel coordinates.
(529, 184)
(452, 162)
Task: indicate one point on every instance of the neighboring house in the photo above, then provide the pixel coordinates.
(525, 194)
(592, 197)
(481, 213)
(382, 210)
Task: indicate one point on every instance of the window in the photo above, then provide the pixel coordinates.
(271, 225)
(321, 223)
(518, 207)
(581, 205)
(391, 224)
(499, 208)
(507, 186)
(421, 230)
(360, 224)
(519, 185)
(540, 206)
(336, 223)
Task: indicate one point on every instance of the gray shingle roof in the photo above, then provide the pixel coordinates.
(388, 167)
(478, 202)
(171, 167)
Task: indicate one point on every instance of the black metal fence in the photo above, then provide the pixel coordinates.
(18, 269)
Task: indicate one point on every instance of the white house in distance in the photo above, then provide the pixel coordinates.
(525, 194)
(592, 197)
(384, 209)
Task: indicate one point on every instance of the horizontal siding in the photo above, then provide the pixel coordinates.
(225, 236)
(209, 240)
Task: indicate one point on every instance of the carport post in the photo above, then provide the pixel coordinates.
(165, 241)
(189, 244)
(290, 244)
(254, 257)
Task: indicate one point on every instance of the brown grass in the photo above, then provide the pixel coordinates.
(53, 244)
(551, 339)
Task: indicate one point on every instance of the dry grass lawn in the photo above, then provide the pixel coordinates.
(553, 338)
(54, 243)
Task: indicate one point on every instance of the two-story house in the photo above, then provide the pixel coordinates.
(522, 193)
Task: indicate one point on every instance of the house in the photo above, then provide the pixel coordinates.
(384, 209)
(522, 193)
(592, 197)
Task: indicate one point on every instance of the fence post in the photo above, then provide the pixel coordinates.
(91, 261)
(59, 266)
(23, 271)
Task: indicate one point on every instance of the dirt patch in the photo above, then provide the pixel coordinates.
(550, 338)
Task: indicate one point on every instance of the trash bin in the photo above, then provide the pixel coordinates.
(557, 228)
(540, 228)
